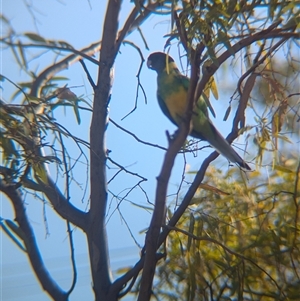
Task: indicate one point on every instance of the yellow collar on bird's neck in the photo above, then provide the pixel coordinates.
(170, 69)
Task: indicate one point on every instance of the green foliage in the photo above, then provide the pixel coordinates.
(239, 237)
(239, 243)
(26, 126)
(216, 23)
(214, 27)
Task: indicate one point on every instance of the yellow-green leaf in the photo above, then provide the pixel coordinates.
(40, 172)
(35, 37)
(123, 270)
(22, 53)
(191, 230)
(227, 113)
(208, 104)
(283, 169)
(212, 189)
(76, 111)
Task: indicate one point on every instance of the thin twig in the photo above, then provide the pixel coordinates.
(139, 85)
(79, 53)
(135, 137)
(126, 170)
(87, 74)
(68, 223)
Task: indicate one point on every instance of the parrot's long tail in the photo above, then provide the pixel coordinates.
(223, 147)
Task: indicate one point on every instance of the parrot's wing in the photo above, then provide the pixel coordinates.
(183, 80)
(165, 109)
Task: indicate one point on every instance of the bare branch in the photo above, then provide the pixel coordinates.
(135, 20)
(61, 205)
(96, 234)
(135, 137)
(68, 223)
(49, 72)
(139, 85)
(36, 261)
(87, 74)
(126, 170)
(157, 221)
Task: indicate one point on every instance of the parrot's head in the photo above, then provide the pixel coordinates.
(158, 60)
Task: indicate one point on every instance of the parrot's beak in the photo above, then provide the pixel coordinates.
(149, 64)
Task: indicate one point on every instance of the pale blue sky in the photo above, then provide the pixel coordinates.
(80, 25)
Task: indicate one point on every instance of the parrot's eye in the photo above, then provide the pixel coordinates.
(149, 64)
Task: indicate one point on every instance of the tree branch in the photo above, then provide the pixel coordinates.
(269, 33)
(35, 259)
(61, 205)
(71, 242)
(134, 20)
(32, 149)
(157, 221)
(97, 240)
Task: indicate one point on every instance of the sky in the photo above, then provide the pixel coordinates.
(80, 23)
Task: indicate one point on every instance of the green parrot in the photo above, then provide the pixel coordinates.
(172, 88)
